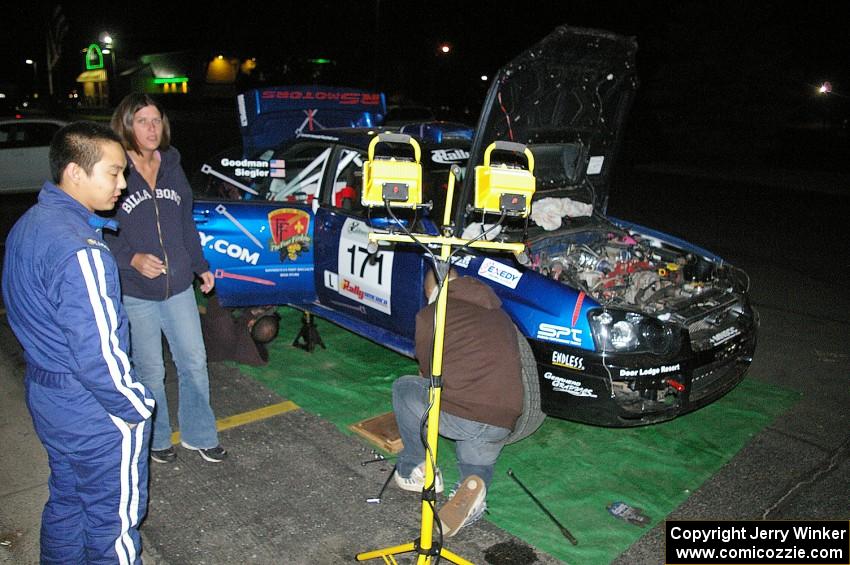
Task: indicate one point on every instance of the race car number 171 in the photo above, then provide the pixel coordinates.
(363, 277)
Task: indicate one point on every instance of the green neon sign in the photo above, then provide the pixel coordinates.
(320, 61)
(172, 80)
(94, 57)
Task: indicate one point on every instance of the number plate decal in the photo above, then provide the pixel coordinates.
(363, 277)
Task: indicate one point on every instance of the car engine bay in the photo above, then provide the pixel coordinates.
(622, 268)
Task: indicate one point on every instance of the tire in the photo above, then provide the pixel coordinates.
(532, 416)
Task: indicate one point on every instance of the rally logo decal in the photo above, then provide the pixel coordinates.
(290, 229)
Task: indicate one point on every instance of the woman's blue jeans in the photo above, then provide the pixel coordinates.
(178, 318)
(478, 444)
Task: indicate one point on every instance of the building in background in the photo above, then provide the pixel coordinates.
(94, 80)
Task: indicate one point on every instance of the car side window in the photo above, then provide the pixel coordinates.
(21, 135)
(303, 165)
(348, 181)
(39, 135)
(7, 137)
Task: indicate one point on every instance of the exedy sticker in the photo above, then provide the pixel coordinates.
(500, 273)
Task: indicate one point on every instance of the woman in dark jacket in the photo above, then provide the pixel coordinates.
(159, 254)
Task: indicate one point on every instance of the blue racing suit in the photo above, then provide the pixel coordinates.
(63, 301)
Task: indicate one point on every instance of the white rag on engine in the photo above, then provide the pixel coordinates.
(547, 212)
(474, 230)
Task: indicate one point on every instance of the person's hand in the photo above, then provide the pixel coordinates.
(148, 265)
(207, 282)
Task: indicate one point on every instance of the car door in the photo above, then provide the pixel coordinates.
(379, 291)
(259, 238)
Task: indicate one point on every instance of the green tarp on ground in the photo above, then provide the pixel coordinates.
(575, 470)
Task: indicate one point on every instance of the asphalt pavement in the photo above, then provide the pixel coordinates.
(295, 488)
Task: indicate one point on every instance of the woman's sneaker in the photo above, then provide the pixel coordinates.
(465, 506)
(416, 481)
(167, 455)
(215, 454)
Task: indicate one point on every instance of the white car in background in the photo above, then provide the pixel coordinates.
(24, 146)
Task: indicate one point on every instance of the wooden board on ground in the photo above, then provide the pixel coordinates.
(380, 430)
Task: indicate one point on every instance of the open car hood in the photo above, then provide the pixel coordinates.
(566, 98)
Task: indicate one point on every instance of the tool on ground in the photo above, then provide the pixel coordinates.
(630, 514)
(377, 499)
(566, 533)
(376, 457)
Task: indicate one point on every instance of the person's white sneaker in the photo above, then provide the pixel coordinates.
(467, 505)
(416, 481)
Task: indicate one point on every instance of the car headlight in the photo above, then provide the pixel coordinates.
(619, 331)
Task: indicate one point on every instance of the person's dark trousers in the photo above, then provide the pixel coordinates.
(98, 475)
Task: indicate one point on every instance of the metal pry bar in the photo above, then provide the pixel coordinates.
(564, 531)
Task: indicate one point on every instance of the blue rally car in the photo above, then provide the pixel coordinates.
(620, 325)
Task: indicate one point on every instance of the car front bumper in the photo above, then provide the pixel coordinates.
(638, 389)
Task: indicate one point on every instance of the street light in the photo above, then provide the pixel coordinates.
(107, 39)
(34, 75)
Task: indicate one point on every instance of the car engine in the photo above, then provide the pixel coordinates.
(621, 268)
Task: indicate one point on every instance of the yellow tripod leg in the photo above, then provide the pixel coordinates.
(386, 553)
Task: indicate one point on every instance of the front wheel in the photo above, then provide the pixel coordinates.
(532, 416)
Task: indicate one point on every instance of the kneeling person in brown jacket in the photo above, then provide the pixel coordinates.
(481, 397)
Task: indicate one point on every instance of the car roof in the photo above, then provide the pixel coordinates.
(31, 120)
(361, 137)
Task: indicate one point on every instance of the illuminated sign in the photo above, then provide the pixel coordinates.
(94, 57)
(172, 80)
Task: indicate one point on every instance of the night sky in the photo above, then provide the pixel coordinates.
(732, 61)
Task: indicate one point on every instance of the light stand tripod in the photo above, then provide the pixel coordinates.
(424, 545)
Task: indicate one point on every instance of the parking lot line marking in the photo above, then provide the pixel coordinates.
(247, 417)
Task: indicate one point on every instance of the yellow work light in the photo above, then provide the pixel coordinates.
(397, 182)
(505, 189)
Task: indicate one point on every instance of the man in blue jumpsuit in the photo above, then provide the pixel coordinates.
(63, 301)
